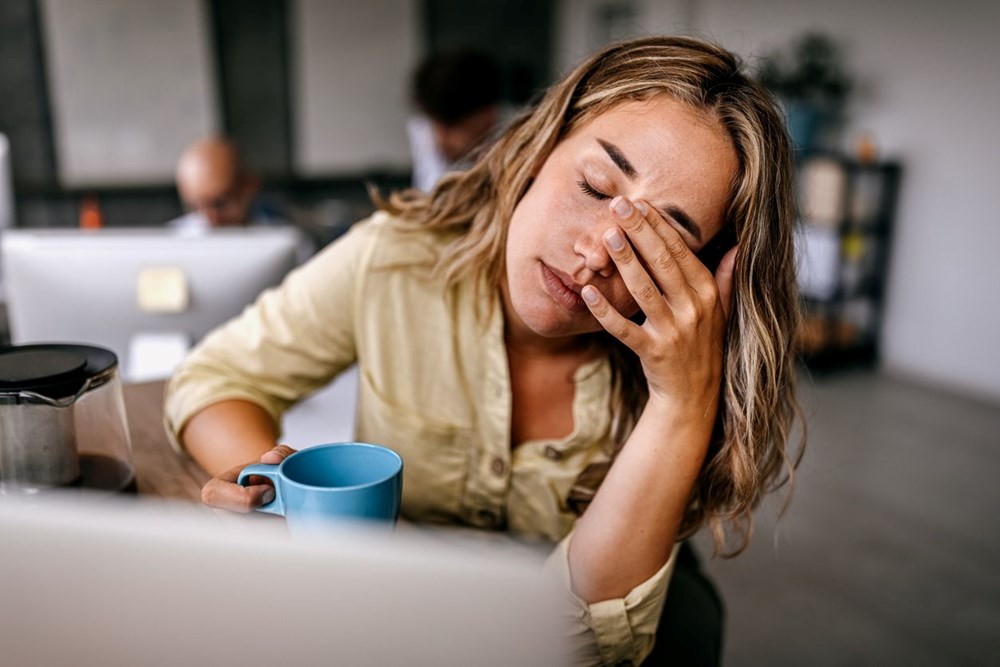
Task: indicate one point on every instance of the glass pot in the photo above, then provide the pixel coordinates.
(62, 420)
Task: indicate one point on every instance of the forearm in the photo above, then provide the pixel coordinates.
(628, 531)
(228, 433)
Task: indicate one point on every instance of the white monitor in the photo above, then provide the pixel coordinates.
(147, 294)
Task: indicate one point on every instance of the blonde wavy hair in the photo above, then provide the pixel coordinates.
(749, 455)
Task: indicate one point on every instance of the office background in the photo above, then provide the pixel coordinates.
(315, 92)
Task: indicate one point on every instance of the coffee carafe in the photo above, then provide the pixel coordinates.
(62, 420)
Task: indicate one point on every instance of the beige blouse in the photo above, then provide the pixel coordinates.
(435, 387)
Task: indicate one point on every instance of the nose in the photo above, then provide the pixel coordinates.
(595, 256)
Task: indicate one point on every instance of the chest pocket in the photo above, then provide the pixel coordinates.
(435, 453)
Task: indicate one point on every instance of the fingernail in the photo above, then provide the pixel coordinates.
(622, 207)
(268, 496)
(614, 239)
(641, 207)
(589, 294)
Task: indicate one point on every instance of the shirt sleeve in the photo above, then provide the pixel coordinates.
(293, 340)
(612, 632)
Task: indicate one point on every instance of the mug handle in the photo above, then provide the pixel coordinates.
(270, 471)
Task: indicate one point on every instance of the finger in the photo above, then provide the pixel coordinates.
(687, 259)
(640, 285)
(277, 455)
(724, 279)
(229, 495)
(628, 332)
(697, 275)
(653, 245)
(232, 474)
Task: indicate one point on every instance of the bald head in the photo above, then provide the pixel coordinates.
(212, 180)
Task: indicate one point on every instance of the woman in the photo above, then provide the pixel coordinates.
(586, 337)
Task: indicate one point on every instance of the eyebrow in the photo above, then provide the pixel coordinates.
(678, 214)
(619, 159)
(683, 220)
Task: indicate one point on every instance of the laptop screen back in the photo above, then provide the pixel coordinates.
(110, 584)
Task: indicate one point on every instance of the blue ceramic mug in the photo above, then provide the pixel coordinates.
(343, 481)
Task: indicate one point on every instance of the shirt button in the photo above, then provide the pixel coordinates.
(498, 466)
(552, 453)
(487, 517)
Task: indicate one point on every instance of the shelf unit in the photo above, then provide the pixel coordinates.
(846, 210)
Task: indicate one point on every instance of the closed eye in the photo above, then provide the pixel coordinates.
(590, 191)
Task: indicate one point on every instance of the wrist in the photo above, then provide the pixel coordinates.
(688, 410)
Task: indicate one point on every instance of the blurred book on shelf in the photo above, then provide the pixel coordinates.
(821, 185)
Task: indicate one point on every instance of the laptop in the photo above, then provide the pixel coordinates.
(88, 582)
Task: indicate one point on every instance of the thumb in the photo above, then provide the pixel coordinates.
(724, 279)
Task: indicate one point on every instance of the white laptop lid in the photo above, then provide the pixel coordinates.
(84, 583)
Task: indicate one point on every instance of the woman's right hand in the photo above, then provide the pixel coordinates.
(224, 493)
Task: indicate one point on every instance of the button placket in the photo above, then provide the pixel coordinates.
(487, 488)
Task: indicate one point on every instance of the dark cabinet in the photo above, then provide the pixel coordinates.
(845, 211)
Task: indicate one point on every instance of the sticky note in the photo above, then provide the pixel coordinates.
(162, 290)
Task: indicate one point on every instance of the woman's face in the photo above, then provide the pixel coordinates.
(661, 151)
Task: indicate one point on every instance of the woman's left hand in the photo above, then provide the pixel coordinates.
(223, 491)
(681, 341)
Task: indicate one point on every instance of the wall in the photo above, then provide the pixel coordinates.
(931, 97)
(583, 26)
(131, 85)
(24, 110)
(350, 76)
(251, 39)
(120, 48)
(517, 34)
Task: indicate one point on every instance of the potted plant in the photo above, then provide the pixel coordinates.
(810, 79)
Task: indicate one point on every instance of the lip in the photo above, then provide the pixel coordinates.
(563, 291)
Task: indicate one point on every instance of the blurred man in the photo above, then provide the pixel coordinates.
(217, 189)
(458, 97)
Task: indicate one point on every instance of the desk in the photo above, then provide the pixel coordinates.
(159, 470)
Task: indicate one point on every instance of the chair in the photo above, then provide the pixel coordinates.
(691, 626)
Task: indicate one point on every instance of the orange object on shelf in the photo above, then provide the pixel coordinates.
(866, 150)
(90, 213)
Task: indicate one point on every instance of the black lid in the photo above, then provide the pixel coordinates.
(53, 370)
